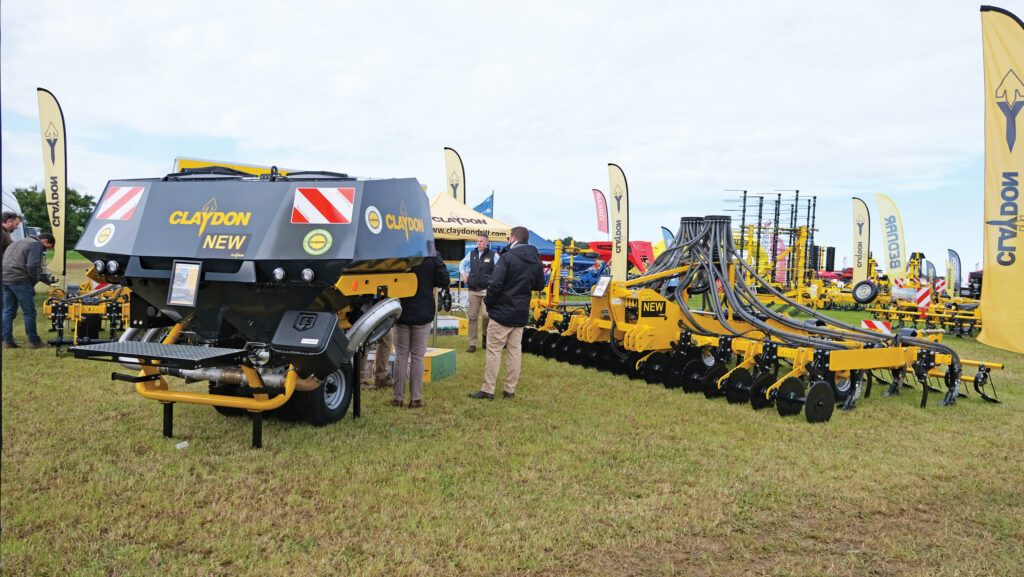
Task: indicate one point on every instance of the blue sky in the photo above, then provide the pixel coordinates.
(834, 99)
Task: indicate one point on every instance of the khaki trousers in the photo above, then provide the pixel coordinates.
(511, 339)
(410, 347)
(477, 309)
(382, 358)
(382, 355)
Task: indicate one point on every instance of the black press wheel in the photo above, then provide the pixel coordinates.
(759, 391)
(672, 375)
(564, 349)
(737, 386)
(634, 368)
(527, 333)
(709, 384)
(654, 368)
(693, 375)
(865, 291)
(591, 355)
(789, 398)
(547, 347)
(820, 403)
(577, 356)
(329, 402)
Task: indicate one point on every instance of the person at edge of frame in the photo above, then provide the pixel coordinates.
(10, 222)
(23, 267)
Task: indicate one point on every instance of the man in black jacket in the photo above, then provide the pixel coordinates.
(479, 264)
(516, 276)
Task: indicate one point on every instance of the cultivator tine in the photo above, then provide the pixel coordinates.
(983, 382)
(896, 383)
(953, 391)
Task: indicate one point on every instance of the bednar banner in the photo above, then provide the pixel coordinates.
(601, 206)
(455, 174)
(861, 240)
(55, 170)
(1003, 46)
(894, 255)
(620, 222)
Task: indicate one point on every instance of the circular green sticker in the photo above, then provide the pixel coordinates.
(317, 242)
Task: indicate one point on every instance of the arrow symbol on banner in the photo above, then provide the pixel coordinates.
(51, 138)
(1011, 92)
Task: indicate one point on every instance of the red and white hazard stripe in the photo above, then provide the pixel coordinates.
(880, 326)
(120, 202)
(924, 297)
(898, 282)
(940, 285)
(323, 205)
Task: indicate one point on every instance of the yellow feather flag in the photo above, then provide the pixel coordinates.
(455, 173)
(55, 170)
(620, 222)
(861, 240)
(894, 252)
(1003, 46)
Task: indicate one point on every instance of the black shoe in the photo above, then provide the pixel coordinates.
(508, 395)
(8, 345)
(481, 395)
(471, 349)
(38, 345)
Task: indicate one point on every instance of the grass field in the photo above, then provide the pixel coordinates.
(583, 473)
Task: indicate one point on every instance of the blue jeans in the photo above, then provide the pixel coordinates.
(23, 293)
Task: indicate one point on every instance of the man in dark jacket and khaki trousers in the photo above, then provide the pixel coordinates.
(517, 274)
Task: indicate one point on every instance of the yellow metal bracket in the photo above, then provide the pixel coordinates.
(402, 284)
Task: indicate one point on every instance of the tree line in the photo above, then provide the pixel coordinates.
(78, 209)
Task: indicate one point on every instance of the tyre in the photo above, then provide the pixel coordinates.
(329, 402)
(865, 291)
(219, 388)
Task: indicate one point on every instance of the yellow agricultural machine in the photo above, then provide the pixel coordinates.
(696, 321)
(918, 304)
(267, 288)
(78, 315)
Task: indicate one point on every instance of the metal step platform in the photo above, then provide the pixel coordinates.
(145, 353)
